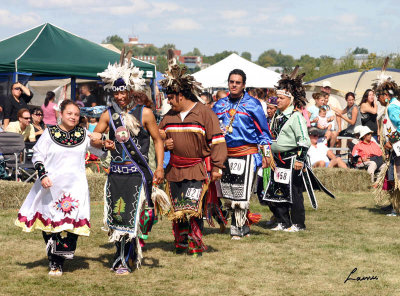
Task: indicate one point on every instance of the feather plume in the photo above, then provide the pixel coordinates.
(385, 64)
(178, 80)
(294, 72)
(161, 200)
(293, 83)
(132, 76)
(128, 56)
(122, 57)
(384, 83)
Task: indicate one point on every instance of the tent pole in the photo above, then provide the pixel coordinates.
(73, 88)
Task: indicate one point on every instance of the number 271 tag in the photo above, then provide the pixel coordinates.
(396, 148)
(282, 175)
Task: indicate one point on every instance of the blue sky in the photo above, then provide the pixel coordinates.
(294, 27)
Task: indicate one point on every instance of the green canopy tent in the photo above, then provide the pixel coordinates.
(49, 52)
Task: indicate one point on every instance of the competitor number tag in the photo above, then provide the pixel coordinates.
(282, 175)
(193, 193)
(396, 148)
(236, 166)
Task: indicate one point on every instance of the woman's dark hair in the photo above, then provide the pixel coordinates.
(365, 97)
(142, 98)
(12, 85)
(238, 72)
(49, 96)
(36, 109)
(349, 94)
(65, 103)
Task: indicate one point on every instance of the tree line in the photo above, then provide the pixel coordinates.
(314, 67)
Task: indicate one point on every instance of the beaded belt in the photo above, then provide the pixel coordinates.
(123, 168)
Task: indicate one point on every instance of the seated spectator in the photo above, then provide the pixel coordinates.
(369, 112)
(368, 152)
(320, 155)
(23, 126)
(19, 98)
(313, 113)
(37, 122)
(323, 124)
(353, 117)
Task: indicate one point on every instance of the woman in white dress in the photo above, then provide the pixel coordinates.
(59, 199)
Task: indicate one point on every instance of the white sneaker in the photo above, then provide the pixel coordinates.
(292, 228)
(278, 227)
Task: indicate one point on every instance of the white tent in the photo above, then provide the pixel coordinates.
(216, 76)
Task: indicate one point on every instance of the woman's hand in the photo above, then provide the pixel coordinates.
(109, 145)
(158, 176)
(95, 136)
(46, 182)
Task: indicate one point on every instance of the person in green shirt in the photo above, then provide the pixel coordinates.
(289, 147)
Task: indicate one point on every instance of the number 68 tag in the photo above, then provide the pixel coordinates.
(282, 175)
(396, 148)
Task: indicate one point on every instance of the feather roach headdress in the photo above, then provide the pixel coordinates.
(120, 77)
(123, 75)
(292, 87)
(177, 80)
(384, 83)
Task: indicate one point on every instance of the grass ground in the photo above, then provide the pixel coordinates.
(341, 235)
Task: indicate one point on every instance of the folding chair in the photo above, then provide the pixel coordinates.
(12, 146)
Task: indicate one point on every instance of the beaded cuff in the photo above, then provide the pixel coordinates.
(39, 167)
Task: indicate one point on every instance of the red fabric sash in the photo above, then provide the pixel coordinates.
(183, 162)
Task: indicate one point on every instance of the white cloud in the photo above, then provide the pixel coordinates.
(239, 31)
(233, 14)
(159, 8)
(288, 19)
(347, 19)
(50, 4)
(23, 20)
(183, 24)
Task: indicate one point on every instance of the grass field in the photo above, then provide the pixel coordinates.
(341, 235)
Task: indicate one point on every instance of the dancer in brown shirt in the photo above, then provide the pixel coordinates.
(192, 134)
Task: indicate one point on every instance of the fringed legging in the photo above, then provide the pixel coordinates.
(188, 235)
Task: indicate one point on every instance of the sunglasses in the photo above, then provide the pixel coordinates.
(38, 114)
(26, 118)
(17, 88)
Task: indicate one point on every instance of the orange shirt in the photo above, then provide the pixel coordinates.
(367, 149)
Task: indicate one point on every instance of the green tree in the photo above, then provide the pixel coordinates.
(267, 58)
(195, 52)
(115, 40)
(246, 55)
(347, 63)
(360, 50)
(163, 49)
(150, 51)
(162, 63)
(217, 57)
